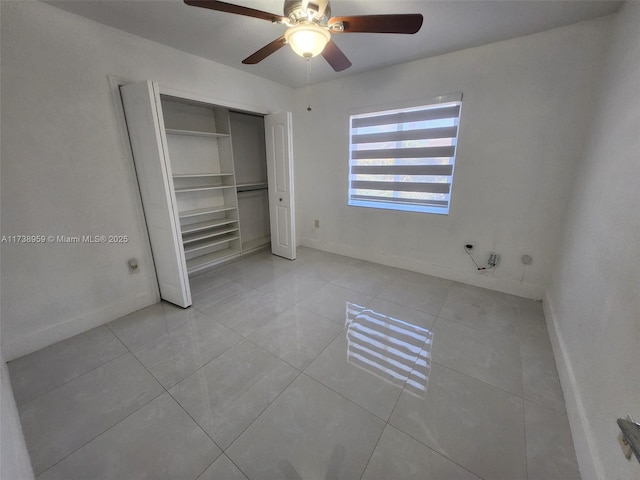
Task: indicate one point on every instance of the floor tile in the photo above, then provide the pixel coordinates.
(218, 293)
(308, 432)
(550, 452)
(234, 269)
(323, 268)
(158, 442)
(256, 273)
(363, 277)
(292, 286)
(398, 456)
(222, 469)
(293, 367)
(150, 323)
(540, 380)
(32, 375)
(246, 312)
(479, 427)
(331, 302)
(372, 360)
(281, 262)
(373, 389)
(481, 308)
(314, 255)
(228, 393)
(531, 321)
(66, 418)
(186, 348)
(309, 252)
(200, 284)
(405, 314)
(481, 354)
(420, 292)
(297, 336)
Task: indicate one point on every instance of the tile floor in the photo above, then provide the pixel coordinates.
(322, 368)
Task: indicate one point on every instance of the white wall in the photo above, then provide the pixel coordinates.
(14, 458)
(525, 108)
(67, 167)
(593, 303)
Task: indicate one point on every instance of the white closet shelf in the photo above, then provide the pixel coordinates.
(197, 227)
(201, 175)
(229, 237)
(203, 235)
(204, 261)
(248, 187)
(202, 188)
(206, 211)
(194, 133)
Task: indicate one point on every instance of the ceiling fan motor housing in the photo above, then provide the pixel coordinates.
(316, 11)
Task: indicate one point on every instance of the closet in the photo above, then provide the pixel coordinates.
(204, 182)
(250, 162)
(202, 173)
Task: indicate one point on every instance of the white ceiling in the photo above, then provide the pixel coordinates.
(449, 25)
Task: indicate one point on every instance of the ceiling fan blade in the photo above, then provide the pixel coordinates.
(335, 57)
(237, 9)
(265, 51)
(400, 23)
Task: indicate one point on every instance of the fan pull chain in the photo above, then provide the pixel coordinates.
(308, 84)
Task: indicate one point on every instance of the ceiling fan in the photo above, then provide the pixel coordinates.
(310, 26)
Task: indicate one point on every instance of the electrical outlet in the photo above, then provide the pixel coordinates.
(317, 223)
(494, 258)
(133, 265)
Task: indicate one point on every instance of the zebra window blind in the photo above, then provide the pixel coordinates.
(404, 159)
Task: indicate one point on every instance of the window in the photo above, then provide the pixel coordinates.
(403, 159)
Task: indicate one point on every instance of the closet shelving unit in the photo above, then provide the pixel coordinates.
(203, 179)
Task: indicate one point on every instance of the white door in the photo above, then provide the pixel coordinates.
(280, 178)
(143, 112)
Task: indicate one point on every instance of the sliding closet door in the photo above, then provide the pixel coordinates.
(280, 178)
(148, 142)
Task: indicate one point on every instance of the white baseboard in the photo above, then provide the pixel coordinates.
(590, 467)
(483, 280)
(62, 330)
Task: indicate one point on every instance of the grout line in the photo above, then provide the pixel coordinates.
(373, 450)
(263, 410)
(22, 405)
(101, 433)
(235, 465)
(524, 434)
(477, 380)
(208, 466)
(437, 452)
(199, 426)
(344, 398)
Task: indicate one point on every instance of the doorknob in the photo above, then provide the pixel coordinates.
(631, 432)
(280, 199)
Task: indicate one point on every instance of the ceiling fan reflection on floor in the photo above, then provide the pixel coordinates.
(310, 26)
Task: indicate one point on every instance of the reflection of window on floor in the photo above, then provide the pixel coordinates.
(391, 349)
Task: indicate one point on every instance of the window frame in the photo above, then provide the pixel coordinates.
(431, 169)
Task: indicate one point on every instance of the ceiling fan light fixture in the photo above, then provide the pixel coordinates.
(307, 39)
